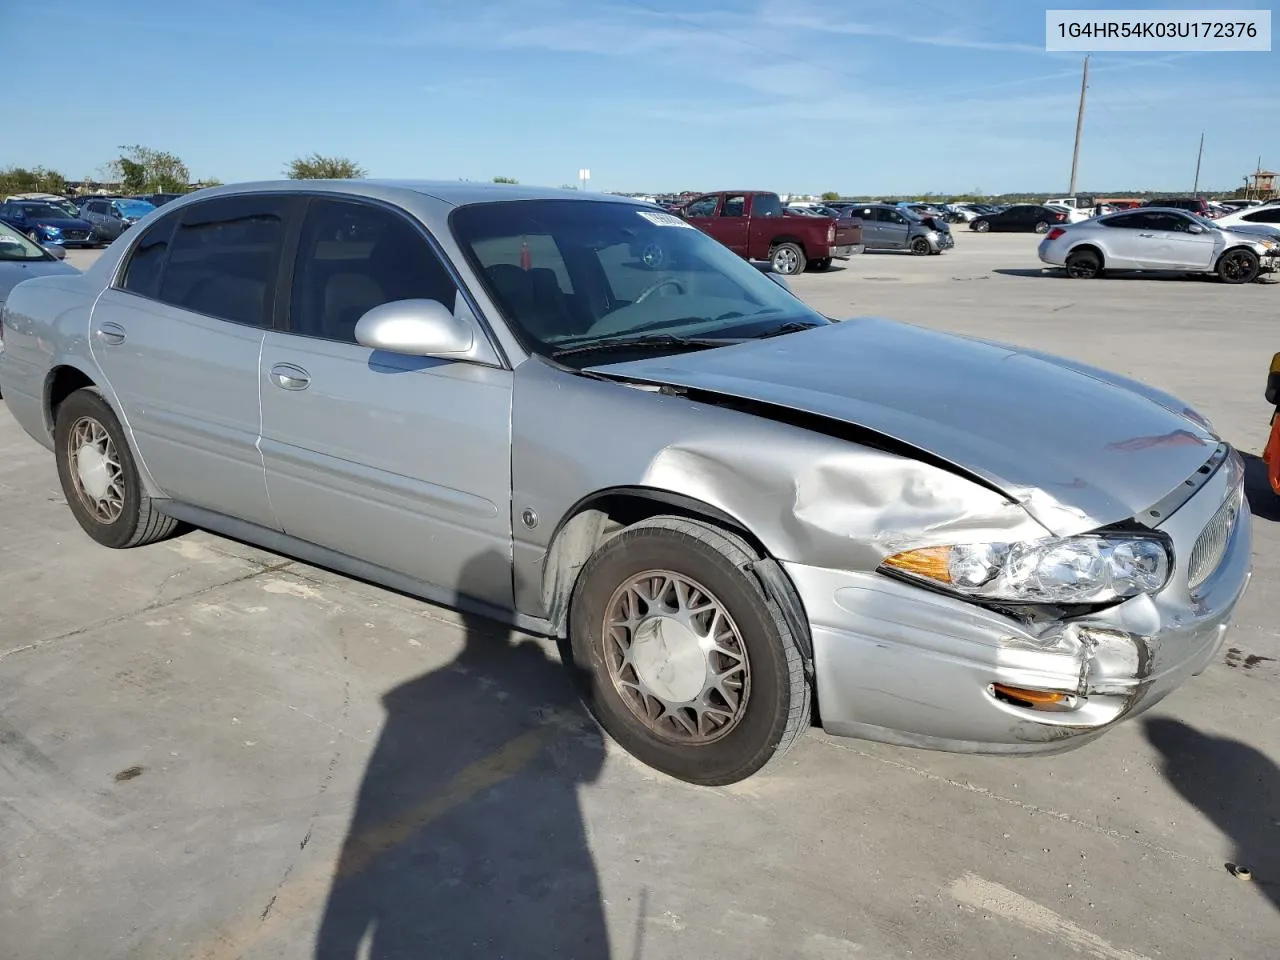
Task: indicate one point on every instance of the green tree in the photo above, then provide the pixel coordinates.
(317, 167)
(145, 170)
(830, 195)
(31, 180)
(505, 180)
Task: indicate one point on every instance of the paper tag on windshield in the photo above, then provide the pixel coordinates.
(664, 219)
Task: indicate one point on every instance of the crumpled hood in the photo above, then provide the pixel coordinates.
(1078, 447)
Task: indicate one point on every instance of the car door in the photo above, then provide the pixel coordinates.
(871, 239)
(1126, 241)
(398, 461)
(95, 211)
(732, 223)
(702, 214)
(1177, 246)
(894, 228)
(178, 337)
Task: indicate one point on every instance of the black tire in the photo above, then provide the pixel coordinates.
(1239, 266)
(138, 521)
(788, 259)
(1042, 226)
(824, 263)
(980, 226)
(1083, 265)
(776, 701)
(920, 247)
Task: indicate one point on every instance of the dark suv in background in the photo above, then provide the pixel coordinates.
(1197, 205)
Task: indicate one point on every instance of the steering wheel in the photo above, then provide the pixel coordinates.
(658, 285)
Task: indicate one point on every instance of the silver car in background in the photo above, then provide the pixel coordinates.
(1158, 239)
(727, 504)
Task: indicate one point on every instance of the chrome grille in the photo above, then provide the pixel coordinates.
(1211, 545)
(75, 234)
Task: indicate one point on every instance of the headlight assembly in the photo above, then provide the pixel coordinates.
(1091, 568)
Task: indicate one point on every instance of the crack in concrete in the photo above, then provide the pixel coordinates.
(149, 608)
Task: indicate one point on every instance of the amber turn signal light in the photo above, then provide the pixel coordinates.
(1022, 697)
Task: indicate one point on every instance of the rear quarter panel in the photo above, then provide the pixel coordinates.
(46, 325)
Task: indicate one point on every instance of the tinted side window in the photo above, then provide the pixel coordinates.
(1167, 221)
(702, 207)
(766, 205)
(353, 257)
(734, 206)
(1267, 215)
(1127, 221)
(142, 272)
(224, 258)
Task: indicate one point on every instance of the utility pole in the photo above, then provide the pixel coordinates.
(1195, 190)
(1075, 154)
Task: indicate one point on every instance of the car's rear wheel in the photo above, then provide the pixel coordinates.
(920, 247)
(1239, 266)
(787, 259)
(99, 477)
(1042, 226)
(980, 226)
(1083, 265)
(687, 663)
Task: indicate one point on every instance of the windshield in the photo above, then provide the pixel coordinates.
(134, 208)
(14, 246)
(568, 273)
(43, 211)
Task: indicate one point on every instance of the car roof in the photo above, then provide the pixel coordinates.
(453, 192)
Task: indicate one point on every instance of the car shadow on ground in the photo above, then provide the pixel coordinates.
(1264, 502)
(1057, 273)
(1234, 785)
(467, 839)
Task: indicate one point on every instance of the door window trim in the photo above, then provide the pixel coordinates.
(289, 256)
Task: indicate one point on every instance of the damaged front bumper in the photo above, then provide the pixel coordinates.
(901, 664)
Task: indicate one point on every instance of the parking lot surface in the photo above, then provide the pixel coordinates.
(209, 751)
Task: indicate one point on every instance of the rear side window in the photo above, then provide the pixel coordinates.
(224, 258)
(1269, 215)
(766, 205)
(142, 272)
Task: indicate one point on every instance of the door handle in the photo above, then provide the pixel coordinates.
(1146, 234)
(289, 377)
(111, 333)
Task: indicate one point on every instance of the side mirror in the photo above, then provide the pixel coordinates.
(1195, 228)
(417, 328)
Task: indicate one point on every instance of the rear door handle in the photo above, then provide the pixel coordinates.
(289, 377)
(111, 332)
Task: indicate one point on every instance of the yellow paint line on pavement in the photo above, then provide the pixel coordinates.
(301, 891)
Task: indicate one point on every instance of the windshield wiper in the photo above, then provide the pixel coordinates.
(791, 326)
(659, 341)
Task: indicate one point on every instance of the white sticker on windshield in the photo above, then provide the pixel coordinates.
(664, 219)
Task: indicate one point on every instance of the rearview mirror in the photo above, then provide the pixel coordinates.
(418, 328)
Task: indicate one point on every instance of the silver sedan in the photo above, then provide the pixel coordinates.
(739, 514)
(1158, 239)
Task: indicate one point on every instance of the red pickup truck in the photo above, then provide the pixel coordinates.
(751, 224)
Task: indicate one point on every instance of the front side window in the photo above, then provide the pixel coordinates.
(628, 272)
(353, 257)
(703, 207)
(1127, 221)
(734, 206)
(224, 258)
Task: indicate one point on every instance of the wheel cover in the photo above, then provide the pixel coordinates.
(96, 473)
(676, 657)
(1235, 265)
(784, 261)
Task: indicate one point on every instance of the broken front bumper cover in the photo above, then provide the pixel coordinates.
(902, 664)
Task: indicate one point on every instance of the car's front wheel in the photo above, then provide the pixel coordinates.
(920, 247)
(99, 477)
(1239, 266)
(687, 663)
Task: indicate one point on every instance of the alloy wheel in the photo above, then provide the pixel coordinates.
(676, 657)
(96, 472)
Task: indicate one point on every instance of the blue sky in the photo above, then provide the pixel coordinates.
(860, 96)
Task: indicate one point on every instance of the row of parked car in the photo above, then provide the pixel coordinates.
(92, 220)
